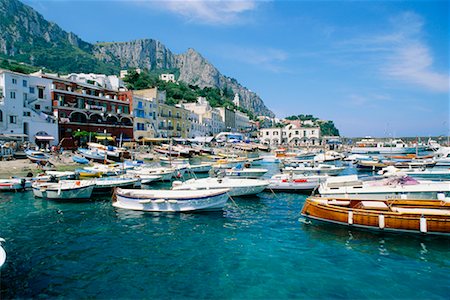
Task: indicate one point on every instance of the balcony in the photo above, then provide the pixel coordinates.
(100, 97)
(165, 127)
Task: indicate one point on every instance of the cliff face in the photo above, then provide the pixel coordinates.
(27, 37)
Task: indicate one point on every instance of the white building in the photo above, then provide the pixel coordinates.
(242, 121)
(145, 117)
(197, 128)
(26, 108)
(110, 82)
(208, 116)
(290, 134)
(167, 77)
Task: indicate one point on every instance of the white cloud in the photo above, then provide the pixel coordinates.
(218, 12)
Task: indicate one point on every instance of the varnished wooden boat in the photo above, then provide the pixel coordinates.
(415, 216)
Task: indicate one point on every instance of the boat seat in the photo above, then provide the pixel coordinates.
(422, 211)
(338, 202)
(373, 205)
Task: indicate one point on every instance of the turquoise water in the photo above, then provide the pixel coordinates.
(257, 249)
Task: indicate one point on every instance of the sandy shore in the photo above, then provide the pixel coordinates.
(21, 167)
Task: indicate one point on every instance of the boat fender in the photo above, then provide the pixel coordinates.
(381, 223)
(160, 201)
(423, 224)
(403, 196)
(350, 218)
(77, 183)
(172, 201)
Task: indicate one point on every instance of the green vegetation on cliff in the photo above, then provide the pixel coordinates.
(181, 91)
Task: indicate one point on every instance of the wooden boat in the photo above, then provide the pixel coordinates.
(170, 201)
(373, 165)
(415, 216)
(37, 156)
(64, 190)
(88, 173)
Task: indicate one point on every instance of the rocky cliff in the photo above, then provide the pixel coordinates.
(193, 67)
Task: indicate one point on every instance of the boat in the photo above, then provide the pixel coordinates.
(314, 169)
(12, 184)
(64, 190)
(262, 147)
(370, 165)
(433, 174)
(170, 200)
(350, 186)
(80, 160)
(201, 168)
(395, 215)
(237, 186)
(165, 174)
(107, 184)
(173, 161)
(228, 163)
(94, 155)
(2, 253)
(327, 156)
(395, 147)
(442, 157)
(239, 171)
(60, 175)
(295, 182)
(145, 178)
(88, 173)
(37, 156)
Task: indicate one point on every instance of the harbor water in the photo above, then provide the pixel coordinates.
(256, 249)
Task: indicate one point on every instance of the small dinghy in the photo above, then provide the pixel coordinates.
(37, 156)
(245, 172)
(107, 184)
(2, 253)
(295, 182)
(64, 190)
(13, 184)
(237, 186)
(170, 201)
(80, 160)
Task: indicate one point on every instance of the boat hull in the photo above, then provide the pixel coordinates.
(56, 194)
(208, 203)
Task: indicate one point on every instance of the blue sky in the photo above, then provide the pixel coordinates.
(378, 68)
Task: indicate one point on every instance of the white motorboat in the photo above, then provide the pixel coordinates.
(165, 174)
(12, 184)
(328, 156)
(442, 156)
(245, 172)
(295, 182)
(430, 174)
(394, 187)
(173, 161)
(317, 169)
(64, 190)
(2, 253)
(170, 200)
(144, 178)
(237, 186)
(201, 168)
(107, 184)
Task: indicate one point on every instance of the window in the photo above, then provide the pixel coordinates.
(13, 119)
(37, 106)
(12, 95)
(140, 126)
(25, 98)
(14, 81)
(267, 133)
(40, 93)
(26, 114)
(24, 83)
(125, 110)
(296, 132)
(1, 116)
(31, 90)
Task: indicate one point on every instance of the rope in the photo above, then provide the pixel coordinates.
(234, 202)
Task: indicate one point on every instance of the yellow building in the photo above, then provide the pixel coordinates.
(170, 121)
